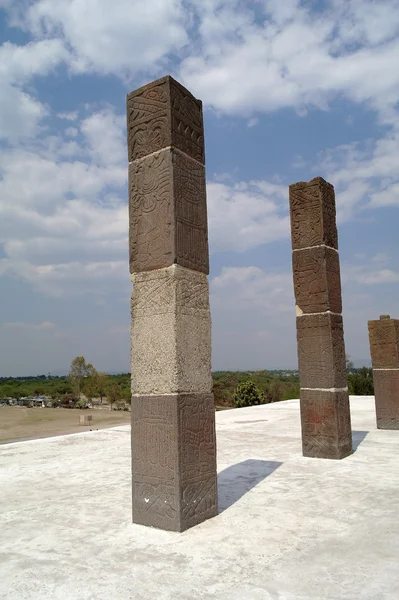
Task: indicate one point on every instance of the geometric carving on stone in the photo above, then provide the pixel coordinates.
(312, 210)
(173, 414)
(172, 289)
(168, 213)
(175, 486)
(171, 332)
(321, 351)
(325, 410)
(317, 280)
(384, 350)
(162, 114)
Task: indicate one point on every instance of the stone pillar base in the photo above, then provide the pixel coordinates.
(386, 390)
(174, 460)
(326, 424)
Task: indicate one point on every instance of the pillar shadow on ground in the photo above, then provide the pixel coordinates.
(235, 481)
(357, 438)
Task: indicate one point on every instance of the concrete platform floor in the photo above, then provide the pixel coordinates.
(289, 528)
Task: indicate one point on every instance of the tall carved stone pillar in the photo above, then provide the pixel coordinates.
(173, 415)
(325, 412)
(384, 350)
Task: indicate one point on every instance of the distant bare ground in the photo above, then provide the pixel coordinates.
(20, 423)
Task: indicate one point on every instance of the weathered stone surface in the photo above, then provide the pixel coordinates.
(384, 343)
(171, 332)
(326, 424)
(174, 460)
(168, 213)
(173, 416)
(317, 280)
(321, 351)
(312, 209)
(386, 392)
(162, 114)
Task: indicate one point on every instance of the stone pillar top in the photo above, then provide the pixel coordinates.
(313, 215)
(382, 317)
(164, 114)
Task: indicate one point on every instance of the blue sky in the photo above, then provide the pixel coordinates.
(291, 90)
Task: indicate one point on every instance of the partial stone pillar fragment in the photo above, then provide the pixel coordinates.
(173, 414)
(384, 350)
(325, 411)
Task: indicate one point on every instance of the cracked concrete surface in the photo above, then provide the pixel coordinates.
(289, 528)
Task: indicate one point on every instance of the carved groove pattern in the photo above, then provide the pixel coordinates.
(197, 425)
(329, 215)
(147, 121)
(170, 290)
(187, 126)
(191, 213)
(174, 460)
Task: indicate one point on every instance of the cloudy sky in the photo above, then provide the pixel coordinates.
(291, 90)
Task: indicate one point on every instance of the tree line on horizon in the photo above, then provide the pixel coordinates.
(84, 384)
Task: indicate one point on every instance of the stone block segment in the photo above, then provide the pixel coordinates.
(162, 114)
(384, 350)
(326, 424)
(325, 411)
(312, 210)
(167, 213)
(174, 460)
(317, 280)
(386, 392)
(173, 413)
(384, 343)
(171, 332)
(321, 351)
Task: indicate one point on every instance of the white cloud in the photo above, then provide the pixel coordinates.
(27, 325)
(20, 112)
(253, 316)
(108, 37)
(63, 220)
(251, 288)
(246, 215)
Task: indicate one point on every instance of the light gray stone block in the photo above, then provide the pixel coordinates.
(171, 332)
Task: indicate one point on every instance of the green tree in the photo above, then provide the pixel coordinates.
(113, 393)
(79, 370)
(360, 382)
(247, 394)
(90, 384)
(102, 384)
(275, 391)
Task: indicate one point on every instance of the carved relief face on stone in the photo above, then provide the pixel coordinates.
(162, 114)
(312, 210)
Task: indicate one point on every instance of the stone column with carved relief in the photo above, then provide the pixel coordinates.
(324, 401)
(384, 350)
(173, 415)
